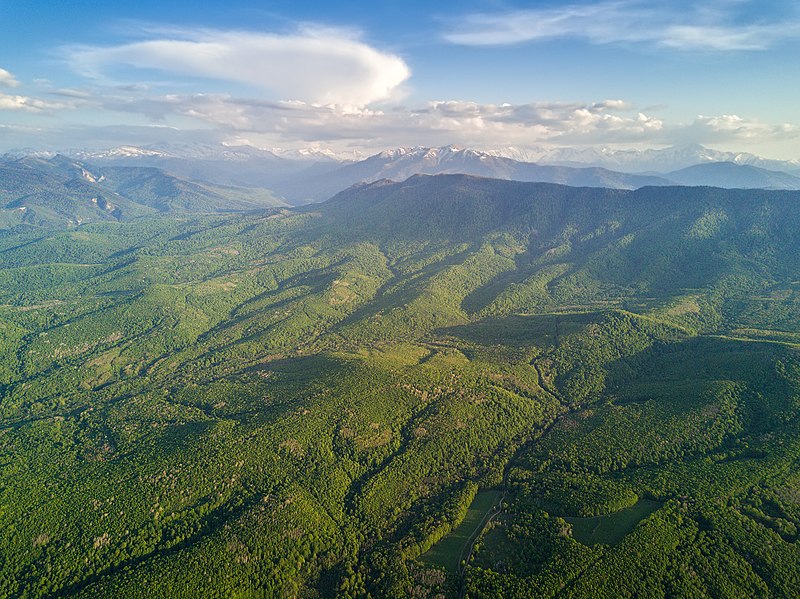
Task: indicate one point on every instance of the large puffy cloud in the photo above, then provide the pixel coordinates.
(318, 65)
(696, 26)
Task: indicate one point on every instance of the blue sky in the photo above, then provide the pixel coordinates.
(366, 76)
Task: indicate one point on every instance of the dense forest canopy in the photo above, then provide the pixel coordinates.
(446, 387)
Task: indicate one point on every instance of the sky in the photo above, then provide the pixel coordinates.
(361, 77)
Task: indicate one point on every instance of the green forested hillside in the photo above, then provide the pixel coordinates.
(303, 403)
(60, 192)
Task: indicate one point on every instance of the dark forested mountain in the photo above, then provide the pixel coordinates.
(451, 386)
(168, 193)
(733, 176)
(59, 192)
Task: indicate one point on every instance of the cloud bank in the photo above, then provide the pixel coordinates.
(213, 118)
(471, 124)
(316, 65)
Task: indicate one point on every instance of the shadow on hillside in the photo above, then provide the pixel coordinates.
(540, 330)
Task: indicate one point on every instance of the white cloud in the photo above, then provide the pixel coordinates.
(698, 26)
(27, 104)
(732, 127)
(436, 123)
(543, 121)
(21, 103)
(297, 124)
(318, 65)
(466, 123)
(749, 37)
(71, 92)
(7, 79)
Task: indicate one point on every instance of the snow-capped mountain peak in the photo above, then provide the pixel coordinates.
(119, 152)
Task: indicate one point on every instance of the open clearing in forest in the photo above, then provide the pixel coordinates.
(448, 551)
(612, 528)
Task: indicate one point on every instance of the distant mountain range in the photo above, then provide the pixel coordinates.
(400, 164)
(650, 160)
(209, 178)
(60, 191)
(314, 175)
(661, 160)
(243, 166)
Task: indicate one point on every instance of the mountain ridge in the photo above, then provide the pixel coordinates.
(400, 164)
(731, 175)
(58, 191)
(159, 178)
(315, 175)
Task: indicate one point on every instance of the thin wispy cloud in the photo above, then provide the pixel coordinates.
(709, 26)
(313, 64)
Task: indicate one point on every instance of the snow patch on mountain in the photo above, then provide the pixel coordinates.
(318, 154)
